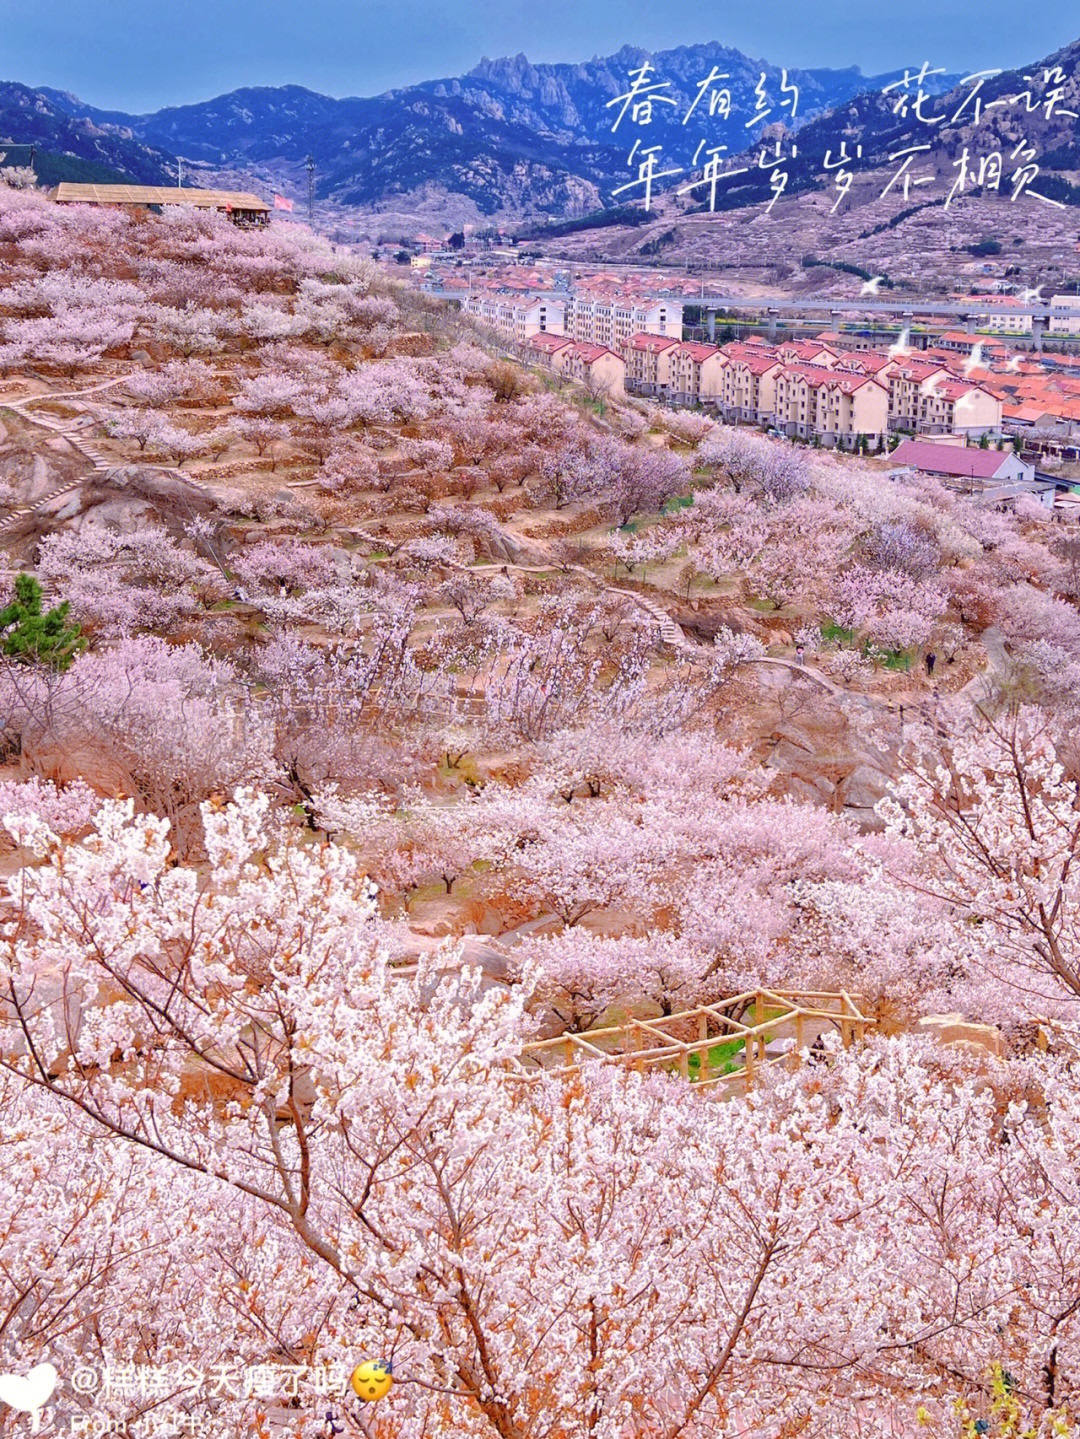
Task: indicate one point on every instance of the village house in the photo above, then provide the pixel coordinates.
(990, 476)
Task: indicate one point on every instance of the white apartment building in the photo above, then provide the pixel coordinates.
(1065, 316)
(518, 317)
(1000, 317)
(614, 323)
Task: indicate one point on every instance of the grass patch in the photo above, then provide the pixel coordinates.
(830, 630)
(723, 1058)
(726, 1056)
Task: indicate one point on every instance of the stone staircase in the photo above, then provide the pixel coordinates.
(23, 512)
(65, 430)
(671, 633)
(71, 431)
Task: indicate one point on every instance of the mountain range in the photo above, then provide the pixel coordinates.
(1027, 116)
(510, 137)
(513, 140)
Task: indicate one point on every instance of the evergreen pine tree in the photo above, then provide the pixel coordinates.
(30, 636)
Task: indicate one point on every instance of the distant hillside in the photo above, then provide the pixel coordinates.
(72, 146)
(51, 168)
(512, 137)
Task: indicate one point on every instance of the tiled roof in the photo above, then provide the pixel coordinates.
(960, 460)
(918, 370)
(821, 378)
(548, 343)
(864, 359)
(651, 344)
(1029, 413)
(758, 364)
(698, 350)
(805, 349)
(589, 352)
(956, 389)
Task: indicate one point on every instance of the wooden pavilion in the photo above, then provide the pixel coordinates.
(241, 206)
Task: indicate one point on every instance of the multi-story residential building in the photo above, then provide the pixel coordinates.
(648, 363)
(909, 382)
(1001, 318)
(834, 407)
(696, 373)
(613, 323)
(518, 317)
(958, 407)
(548, 347)
(1065, 315)
(689, 372)
(599, 369)
(748, 384)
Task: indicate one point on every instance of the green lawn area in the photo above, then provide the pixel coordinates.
(888, 659)
(830, 630)
(723, 1058)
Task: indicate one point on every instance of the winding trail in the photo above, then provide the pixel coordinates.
(69, 430)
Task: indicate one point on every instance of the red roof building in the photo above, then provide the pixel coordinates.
(962, 462)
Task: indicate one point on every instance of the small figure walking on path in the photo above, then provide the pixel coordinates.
(798, 654)
(931, 660)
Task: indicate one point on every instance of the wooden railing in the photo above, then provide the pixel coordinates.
(684, 1043)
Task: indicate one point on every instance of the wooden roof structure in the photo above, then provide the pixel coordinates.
(711, 1045)
(237, 201)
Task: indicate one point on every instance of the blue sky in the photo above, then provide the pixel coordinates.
(138, 55)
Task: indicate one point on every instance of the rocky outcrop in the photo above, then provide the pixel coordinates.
(858, 794)
(705, 625)
(961, 1033)
(849, 781)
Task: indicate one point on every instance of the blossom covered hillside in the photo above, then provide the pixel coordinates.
(373, 708)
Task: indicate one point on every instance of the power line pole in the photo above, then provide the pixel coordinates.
(310, 188)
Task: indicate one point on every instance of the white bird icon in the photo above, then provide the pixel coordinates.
(870, 287)
(974, 360)
(30, 1394)
(1033, 297)
(1013, 365)
(901, 347)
